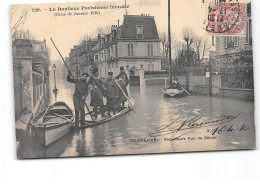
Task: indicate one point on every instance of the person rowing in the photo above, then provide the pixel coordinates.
(175, 85)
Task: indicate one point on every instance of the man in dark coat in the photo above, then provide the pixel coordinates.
(97, 94)
(79, 97)
(112, 93)
(125, 83)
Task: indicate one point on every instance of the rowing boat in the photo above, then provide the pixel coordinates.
(52, 123)
(172, 92)
(89, 123)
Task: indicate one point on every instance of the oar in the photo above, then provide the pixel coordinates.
(41, 119)
(184, 89)
(125, 96)
(61, 116)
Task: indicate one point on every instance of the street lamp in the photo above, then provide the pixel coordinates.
(55, 90)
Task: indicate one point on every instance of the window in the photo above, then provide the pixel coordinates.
(249, 32)
(236, 41)
(130, 48)
(225, 42)
(116, 50)
(139, 29)
(213, 41)
(229, 42)
(150, 49)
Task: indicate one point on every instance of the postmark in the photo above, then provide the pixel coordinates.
(227, 19)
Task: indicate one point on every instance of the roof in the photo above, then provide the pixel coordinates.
(96, 48)
(130, 23)
(23, 42)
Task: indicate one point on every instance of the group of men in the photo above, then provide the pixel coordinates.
(113, 89)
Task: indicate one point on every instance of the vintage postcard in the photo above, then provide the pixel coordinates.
(132, 77)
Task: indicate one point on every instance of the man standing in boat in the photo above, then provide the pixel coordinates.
(112, 93)
(125, 82)
(97, 94)
(79, 97)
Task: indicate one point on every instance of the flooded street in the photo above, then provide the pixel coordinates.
(131, 133)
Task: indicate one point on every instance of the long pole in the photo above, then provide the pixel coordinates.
(169, 38)
(55, 88)
(125, 95)
(72, 77)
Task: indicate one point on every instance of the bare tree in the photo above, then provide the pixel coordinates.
(23, 34)
(83, 39)
(19, 15)
(188, 36)
(100, 30)
(205, 48)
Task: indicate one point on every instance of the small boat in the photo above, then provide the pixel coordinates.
(168, 92)
(52, 123)
(89, 123)
(174, 90)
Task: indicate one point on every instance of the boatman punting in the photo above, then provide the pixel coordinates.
(79, 96)
(112, 94)
(122, 76)
(97, 92)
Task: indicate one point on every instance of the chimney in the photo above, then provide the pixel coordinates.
(113, 28)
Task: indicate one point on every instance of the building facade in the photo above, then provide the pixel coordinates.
(81, 57)
(31, 75)
(134, 45)
(233, 57)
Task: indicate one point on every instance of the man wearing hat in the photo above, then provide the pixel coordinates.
(97, 94)
(79, 96)
(112, 93)
(125, 81)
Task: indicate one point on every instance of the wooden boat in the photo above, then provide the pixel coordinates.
(173, 90)
(89, 123)
(52, 123)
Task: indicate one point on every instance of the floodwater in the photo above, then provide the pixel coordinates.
(131, 133)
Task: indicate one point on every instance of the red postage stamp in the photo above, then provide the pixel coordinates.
(227, 18)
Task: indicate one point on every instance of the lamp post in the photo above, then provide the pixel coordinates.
(55, 90)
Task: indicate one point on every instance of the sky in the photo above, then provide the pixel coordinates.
(67, 30)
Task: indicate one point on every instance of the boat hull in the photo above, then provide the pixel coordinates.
(172, 92)
(55, 133)
(90, 123)
(53, 123)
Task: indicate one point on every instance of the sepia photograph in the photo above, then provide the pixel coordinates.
(132, 77)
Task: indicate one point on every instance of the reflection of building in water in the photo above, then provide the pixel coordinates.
(135, 44)
(233, 57)
(31, 75)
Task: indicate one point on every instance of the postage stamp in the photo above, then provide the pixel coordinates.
(229, 19)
